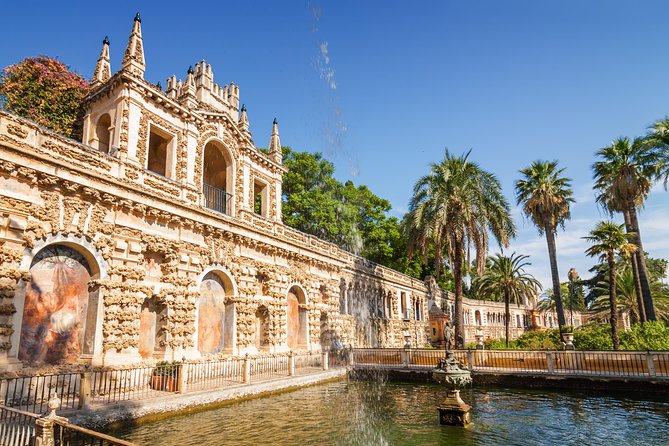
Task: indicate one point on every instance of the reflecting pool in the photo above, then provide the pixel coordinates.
(386, 413)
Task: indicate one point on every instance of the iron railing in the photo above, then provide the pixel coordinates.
(268, 367)
(75, 390)
(214, 374)
(32, 393)
(133, 383)
(217, 199)
(307, 362)
(66, 434)
(625, 364)
(17, 427)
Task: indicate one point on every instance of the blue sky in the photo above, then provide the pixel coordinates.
(381, 88)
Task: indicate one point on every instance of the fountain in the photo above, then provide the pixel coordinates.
(450, 372)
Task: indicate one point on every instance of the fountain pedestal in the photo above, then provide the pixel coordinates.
(449, 372)
(453, 411)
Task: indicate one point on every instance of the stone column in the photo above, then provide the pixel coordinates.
(325, 360)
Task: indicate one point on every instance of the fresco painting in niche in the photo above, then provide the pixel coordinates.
(152, 262)
(211, 314)
(147, 329)
(54, 314)
(293, 320)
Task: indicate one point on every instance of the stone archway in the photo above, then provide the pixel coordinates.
(59, 317)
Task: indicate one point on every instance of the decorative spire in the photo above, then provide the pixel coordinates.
(243, 119)
(275, 143)
(133, 60)
(102, 71)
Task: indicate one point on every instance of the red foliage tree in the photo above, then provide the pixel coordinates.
(44, 90)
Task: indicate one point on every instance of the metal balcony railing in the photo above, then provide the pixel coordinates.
(217, 199)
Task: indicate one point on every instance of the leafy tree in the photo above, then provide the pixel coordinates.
(607, 238)
(546, 195)
(44, 90)
(624, 177)
(506, 276)
(452, 209)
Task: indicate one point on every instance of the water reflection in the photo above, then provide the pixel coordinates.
(380, 413)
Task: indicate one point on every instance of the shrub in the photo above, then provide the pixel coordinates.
(44, 90)
(647, 336)
(593, 336)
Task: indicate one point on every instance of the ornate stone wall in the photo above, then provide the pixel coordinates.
(150, 240)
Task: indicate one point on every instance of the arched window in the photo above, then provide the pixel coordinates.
(217, 178)
(297, 318)
(60, 311)
(102, 136)
(477, 316)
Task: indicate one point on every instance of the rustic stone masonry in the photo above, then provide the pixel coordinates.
(160, 237)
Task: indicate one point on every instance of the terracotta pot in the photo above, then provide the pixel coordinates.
(164, 383)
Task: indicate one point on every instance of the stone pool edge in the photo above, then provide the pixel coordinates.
(102, 415)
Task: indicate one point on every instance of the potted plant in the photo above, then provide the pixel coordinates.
(166, 376)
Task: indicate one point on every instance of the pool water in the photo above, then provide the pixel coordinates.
(387, 413)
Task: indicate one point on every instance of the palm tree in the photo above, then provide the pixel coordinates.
(506, 276)
(626, 297)
(452, 209)
(658, 139)
(624, 178)
(607, 238)
(545, 195)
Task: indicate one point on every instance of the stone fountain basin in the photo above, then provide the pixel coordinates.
(452, 378)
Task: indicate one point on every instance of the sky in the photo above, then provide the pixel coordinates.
(382, 88)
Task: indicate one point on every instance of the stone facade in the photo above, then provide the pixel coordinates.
(160, 237)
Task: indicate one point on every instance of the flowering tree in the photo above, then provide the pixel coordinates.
(44, 90)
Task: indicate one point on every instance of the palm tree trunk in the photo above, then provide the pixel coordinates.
(507, 315)
(635, 271)
(641, 263)
(457, 277)
(559, 307)
(612, 301)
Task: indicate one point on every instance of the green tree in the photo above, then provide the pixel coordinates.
(505, 276)
(452, 209)
(546, 195)
(623, 178)
(607, 239)
(44, 90)
(658, 139)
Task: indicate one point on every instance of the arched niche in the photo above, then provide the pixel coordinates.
(261, 334)
(218, 177)
(298, 318)
(152, 328)
(216, 313)
(59, 315)
(325, 331)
